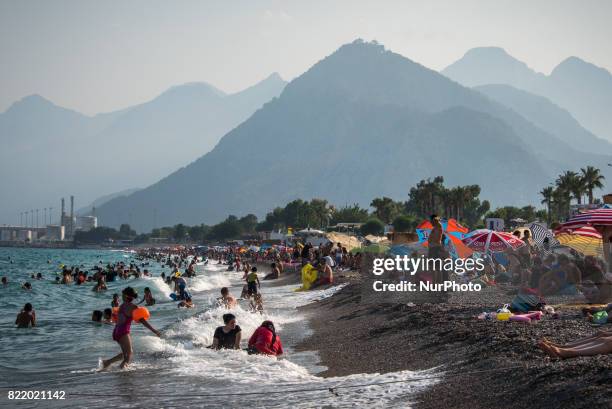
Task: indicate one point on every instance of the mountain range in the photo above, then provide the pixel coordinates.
(49, 151)
(361, 123)
(580, 87)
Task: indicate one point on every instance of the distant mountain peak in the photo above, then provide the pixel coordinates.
(31, 101)
(577, 66)
(194, 88)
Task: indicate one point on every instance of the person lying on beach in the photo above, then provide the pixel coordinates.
(148, 297)
(229, 335)
(598, 344)
(26, 317)
(265, 340)
(590, 312)
(227, 299)
(121, 332)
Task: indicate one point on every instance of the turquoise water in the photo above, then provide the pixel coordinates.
(177, 370)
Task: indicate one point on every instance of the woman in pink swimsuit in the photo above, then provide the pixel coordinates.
(121, 333)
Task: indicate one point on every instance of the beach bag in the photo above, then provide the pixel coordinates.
(600, 317)
(526, 303)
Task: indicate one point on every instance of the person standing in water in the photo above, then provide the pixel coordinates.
(252, 282)
(26, 317)
(121, 333)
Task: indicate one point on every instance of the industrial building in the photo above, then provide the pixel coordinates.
(69, 225)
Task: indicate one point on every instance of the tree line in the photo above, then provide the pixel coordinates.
(429, 196)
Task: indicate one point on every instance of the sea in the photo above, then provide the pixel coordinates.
(62, 353)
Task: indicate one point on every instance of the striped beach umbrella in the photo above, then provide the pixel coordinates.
(485, 240)
(584, 239)
(597, 217)
(543, 238)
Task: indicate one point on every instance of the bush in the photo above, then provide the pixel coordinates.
(373, 226)
(403, 224)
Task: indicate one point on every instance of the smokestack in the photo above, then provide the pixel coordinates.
(71, 207)
(63, 210)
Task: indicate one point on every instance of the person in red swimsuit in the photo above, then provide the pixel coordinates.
(265, 340)
(121, 333)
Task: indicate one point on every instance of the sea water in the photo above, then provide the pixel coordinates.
(62, 352)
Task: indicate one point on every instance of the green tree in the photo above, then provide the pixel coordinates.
(126, 232)
(373, 226)
(385, 209)
(404, 223)
(592, 179)
(180, 232)
(349, 214)
(248, 223)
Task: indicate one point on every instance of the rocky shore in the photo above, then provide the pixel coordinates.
(487, 364)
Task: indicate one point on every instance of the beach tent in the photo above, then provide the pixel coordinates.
(350, 242)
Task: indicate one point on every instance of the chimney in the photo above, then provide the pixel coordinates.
(71, 207)
(63, 210)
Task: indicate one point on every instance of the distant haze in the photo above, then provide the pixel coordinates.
(102, 56)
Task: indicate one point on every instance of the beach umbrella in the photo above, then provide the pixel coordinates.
(543, 238)
(450, 227)
(597, 217)
(454, 232)
(494, 241)
(584, 239)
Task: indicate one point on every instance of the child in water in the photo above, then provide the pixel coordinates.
(26, 317)
(108, 316)
(148, 297)
(121, 333)
(256, 303)
(186, 304)
(115, 302)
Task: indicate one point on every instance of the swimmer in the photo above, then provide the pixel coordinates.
(26, 317)
(39, 276)
(227, 299)
(4, 281)
(96, 316)
(148, 297)
(227, 336)
(121, 333)
(187, 303)
(265, 340)
(115, 302)
(108, 316)
(26, 286)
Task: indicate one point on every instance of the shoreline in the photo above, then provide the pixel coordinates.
(351, 337)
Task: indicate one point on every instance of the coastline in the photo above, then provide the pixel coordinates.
(486, 363)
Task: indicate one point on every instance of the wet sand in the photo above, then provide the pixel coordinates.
(352, 337)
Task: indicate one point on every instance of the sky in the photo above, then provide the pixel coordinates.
(100, 56)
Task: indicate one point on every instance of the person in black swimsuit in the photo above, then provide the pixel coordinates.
(227, 336)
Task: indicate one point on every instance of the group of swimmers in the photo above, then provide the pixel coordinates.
(264, 340)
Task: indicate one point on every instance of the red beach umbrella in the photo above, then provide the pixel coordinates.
(494, 241)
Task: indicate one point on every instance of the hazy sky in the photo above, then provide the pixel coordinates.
(97, 56)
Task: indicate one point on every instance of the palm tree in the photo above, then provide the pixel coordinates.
(592, 179)
(547, 194)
